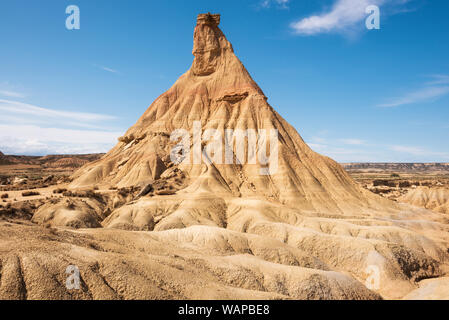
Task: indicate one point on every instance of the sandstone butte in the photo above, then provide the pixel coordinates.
(213, 231)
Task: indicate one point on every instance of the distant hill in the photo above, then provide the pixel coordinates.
(50, 161)
(396, 167)
(4, 159)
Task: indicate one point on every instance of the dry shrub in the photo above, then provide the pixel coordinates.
(59, 190)
(82, 194)
(30, 193)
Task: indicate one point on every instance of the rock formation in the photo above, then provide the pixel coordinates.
(436, 199)
(219, 93)
(297, 228)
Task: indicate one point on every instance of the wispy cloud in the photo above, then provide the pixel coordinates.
(439, 79)
(343, 16)
(11, 94)
(282, 4)
(419, 151)
(106, 69)
(109, 69)
(35, 140)
(31, 110)
(318, 139)
(426, 94)
(353, 142)
(29, 129)
(10, 91)
(344, 154)
(378, 153)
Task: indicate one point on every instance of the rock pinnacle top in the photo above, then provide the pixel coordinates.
(208, 18)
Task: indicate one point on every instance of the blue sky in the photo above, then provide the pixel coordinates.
(353, 94)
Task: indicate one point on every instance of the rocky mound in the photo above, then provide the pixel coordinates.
(51, 161)
(67, 163)
(436, 199)
(431, 289)
(73, 213)
(158, 267)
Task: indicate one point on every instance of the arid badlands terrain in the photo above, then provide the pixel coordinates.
(139, 226)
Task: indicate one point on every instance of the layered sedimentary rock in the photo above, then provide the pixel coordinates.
(218, 93)
(295, 227)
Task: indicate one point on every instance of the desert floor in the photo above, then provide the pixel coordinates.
(308, 257)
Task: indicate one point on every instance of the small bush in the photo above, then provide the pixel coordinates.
(386, 183)
(71, 205)
(395, 175)
(59, 190)
(4, 196)
(30, 193)
(123, 192)
(405, 184)
(82, 194)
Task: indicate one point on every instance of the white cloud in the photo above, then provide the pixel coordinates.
(426, 94)
(109, 70)
(32, 130)
(31, 139)
(343, 16)
(35, 111)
